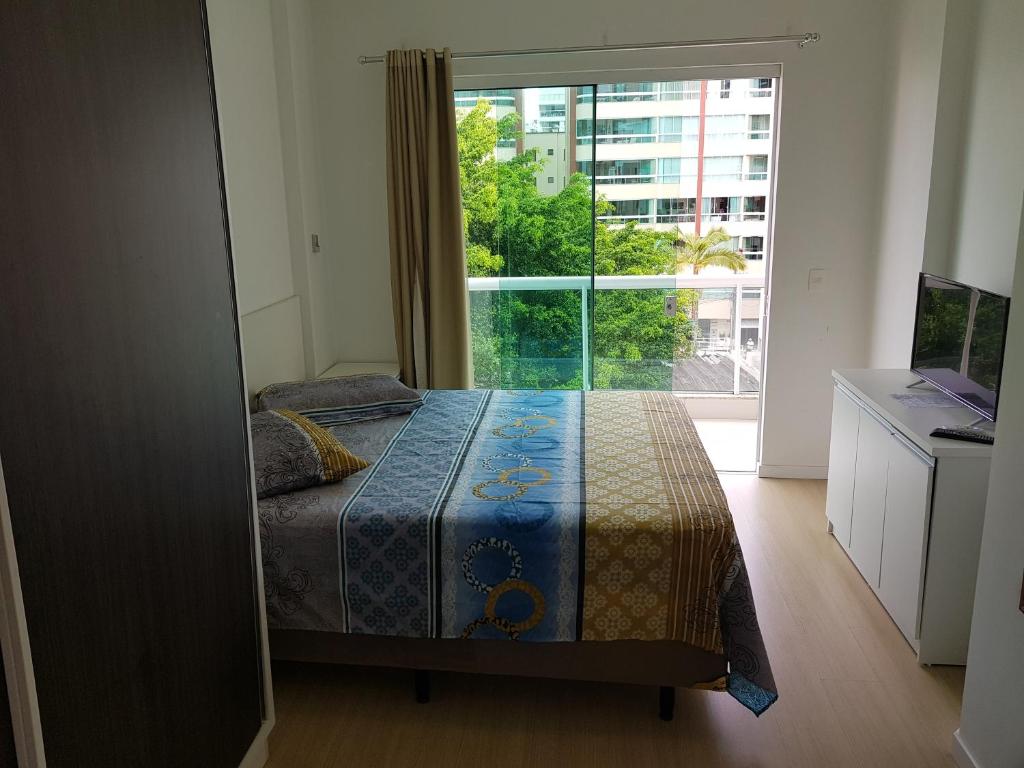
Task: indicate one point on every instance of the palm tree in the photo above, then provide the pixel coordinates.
(708, 250)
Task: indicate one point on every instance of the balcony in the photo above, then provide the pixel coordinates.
(720, 352)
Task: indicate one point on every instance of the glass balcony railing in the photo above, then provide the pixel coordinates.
(640, 178)
(618, 138)
(711, 343)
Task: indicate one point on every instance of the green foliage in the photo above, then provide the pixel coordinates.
(700, 251)
(533, 339)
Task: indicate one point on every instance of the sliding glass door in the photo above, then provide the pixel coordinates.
(530, 229)
(616, 233)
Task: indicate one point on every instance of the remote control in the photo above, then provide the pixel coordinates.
(971, 434)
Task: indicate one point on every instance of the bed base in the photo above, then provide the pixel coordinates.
(666, 694)
(664, 664)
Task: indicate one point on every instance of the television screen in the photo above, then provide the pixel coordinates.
(959, 337)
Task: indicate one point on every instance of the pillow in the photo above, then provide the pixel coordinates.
(330, 402)
(291, 452)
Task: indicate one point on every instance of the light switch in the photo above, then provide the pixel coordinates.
(816, 279)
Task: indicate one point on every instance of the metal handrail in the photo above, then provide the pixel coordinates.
(613, 282)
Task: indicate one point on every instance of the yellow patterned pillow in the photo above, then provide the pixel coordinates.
(291, 452)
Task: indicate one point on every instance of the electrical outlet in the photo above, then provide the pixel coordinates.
(671, 305)
(316, 243)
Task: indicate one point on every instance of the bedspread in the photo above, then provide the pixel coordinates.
(534, 516)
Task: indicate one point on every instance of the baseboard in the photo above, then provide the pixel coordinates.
(792, 471)
(258, 753)
(961, 755)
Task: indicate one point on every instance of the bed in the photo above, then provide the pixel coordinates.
(559, 533)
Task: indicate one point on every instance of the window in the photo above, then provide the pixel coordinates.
(684, 90)
(626, 130)
(761, 87)
(723, 168)
(715, 209)
(759, 126)
(621, 171)
(725, 126)
(500, 97)
(628, 210)
(668, 170)
(757, 167)
(624, 172)
(670, 129)
(753, 249)
(672, 170)
(754, 208)
(626, 92)
(677, 129)
(672, 210)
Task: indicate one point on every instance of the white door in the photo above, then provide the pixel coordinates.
(907, 500)
(842, 464)
(869, 496)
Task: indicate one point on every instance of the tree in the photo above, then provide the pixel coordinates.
(700, 251)
(534, 338)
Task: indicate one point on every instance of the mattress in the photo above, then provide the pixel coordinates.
(542, 517)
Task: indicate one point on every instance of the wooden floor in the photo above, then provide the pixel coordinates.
(851, 692)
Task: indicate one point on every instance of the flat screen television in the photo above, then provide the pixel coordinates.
(959, 338)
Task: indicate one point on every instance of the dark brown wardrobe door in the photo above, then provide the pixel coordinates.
(122, 423)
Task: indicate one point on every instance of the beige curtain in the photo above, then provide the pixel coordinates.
(428, 261)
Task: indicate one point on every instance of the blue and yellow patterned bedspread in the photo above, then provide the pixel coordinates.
(530, 516)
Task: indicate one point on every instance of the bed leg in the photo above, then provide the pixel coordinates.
(666, 703)
(421, 683)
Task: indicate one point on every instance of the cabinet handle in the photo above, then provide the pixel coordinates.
(882, 422)
(923, 457)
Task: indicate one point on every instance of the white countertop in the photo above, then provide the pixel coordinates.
(875, 388)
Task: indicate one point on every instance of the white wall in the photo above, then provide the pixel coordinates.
(990, 734)
(292, 55)
(245, 80)
(904, 195)
(955, 79)
(260, 59)
(829, 161)
(993, 169)
(990, 252)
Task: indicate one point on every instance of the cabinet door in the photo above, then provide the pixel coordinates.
(869, 496)
(907, 501)
(123, 433)
(842, 464)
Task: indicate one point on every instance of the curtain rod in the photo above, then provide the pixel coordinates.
(802, 40)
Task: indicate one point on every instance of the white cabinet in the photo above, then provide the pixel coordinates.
(908, 491)
(908, 508)
(870, 471)
(842, 461)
